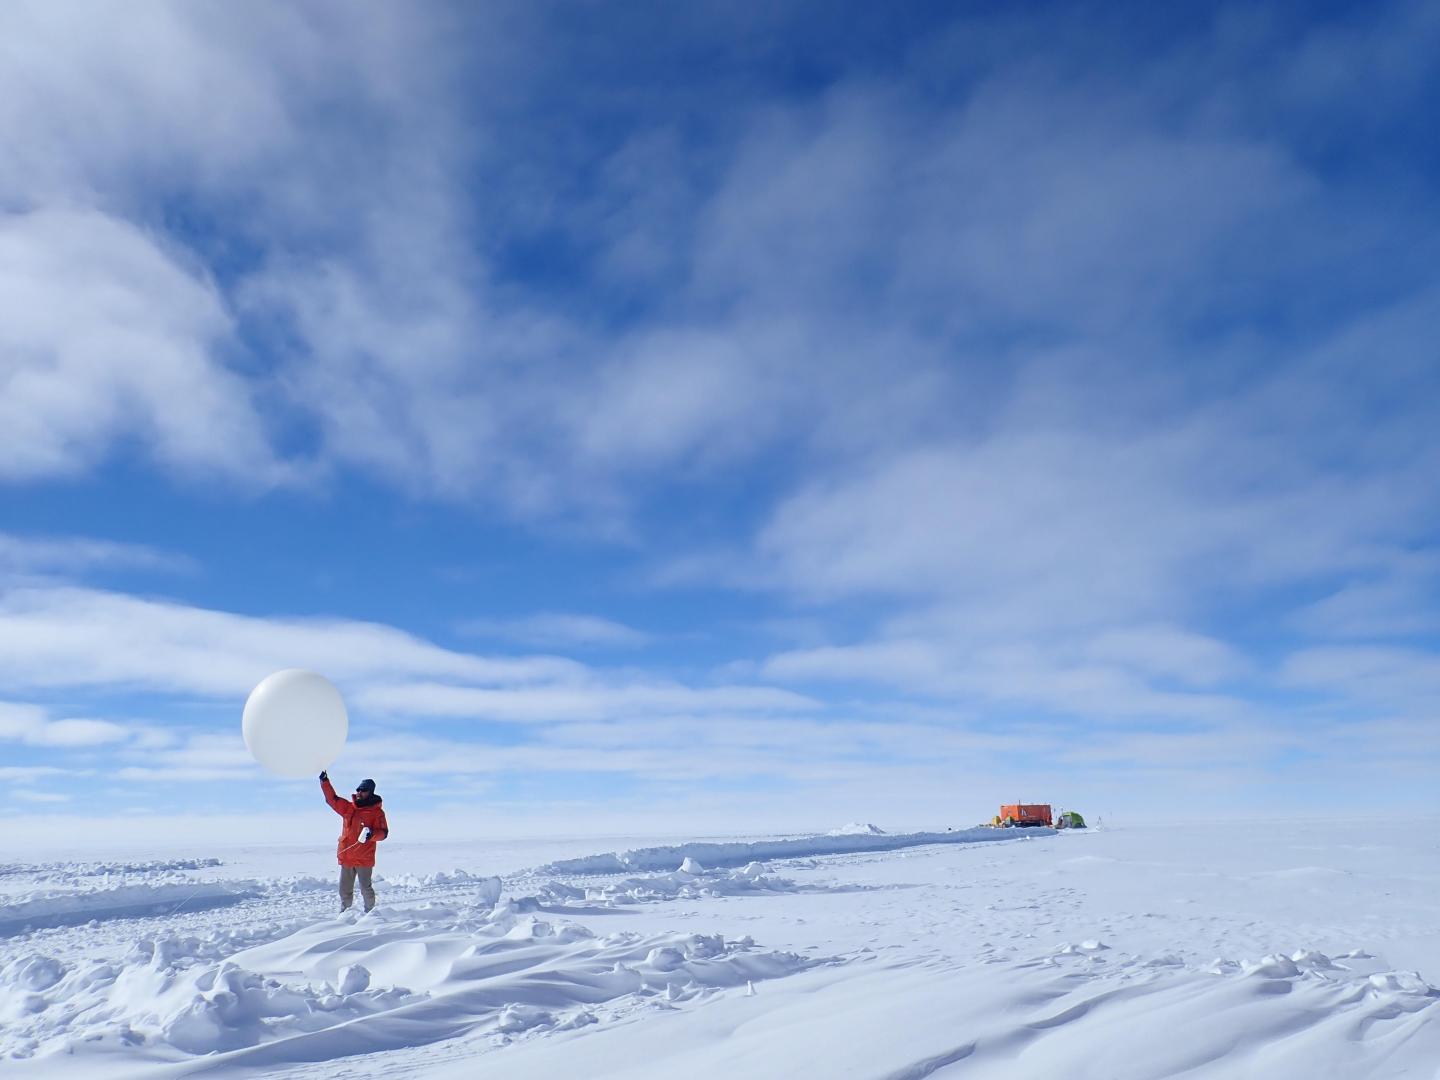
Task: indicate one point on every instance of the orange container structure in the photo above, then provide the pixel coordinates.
(1022, 815)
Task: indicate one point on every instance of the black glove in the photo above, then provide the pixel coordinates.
(324, 775)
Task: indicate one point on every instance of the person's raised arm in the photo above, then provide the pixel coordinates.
(339, 805)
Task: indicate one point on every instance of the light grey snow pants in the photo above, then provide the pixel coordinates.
(348, 874)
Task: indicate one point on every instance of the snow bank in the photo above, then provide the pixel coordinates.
(740, 853)
(857, 828)
(458, 879)
(426, 881)
(48, 909)
(67, 872)
(693, 884)
(298, 884)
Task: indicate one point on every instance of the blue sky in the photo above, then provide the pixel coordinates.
(690, 417)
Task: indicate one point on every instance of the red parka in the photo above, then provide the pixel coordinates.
(361, 814)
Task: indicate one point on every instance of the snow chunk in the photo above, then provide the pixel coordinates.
(1401, 982)
(33, 972)
(1166, 960)
(857, 828)
(664, 958)
(1274, 966)
(517, 1018)
(352, 979)
(704, 946)
(1086, 948)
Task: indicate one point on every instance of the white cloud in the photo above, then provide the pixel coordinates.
(665, 749)
(1370, 675)
(269, 120)
(33, 726)
(139, 95)
(1402, 603)
(847, 275)
(76, 554)
(912, 663)
(553, 629)
(1052, 520)
(659, 751)
(75, 637)
(78, 732)
(29, 774)
(595, 700)
(1221, 751)
(1170, 652)
(84, 638)
(1043, 198)
(1001, 674)
(200, 756)
(21, 795)
(107, 336)
(1089, 550)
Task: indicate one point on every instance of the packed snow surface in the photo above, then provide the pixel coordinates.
(1116, 954)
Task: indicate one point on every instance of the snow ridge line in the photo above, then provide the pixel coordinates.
(740, 853)
(49, 910)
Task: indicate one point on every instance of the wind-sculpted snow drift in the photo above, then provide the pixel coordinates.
(415, 975)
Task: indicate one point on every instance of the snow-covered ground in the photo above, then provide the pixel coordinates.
(1205, 951)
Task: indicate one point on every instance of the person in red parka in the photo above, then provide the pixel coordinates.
(364, 825)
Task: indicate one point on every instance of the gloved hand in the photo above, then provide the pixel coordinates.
(324, 775)
(365, 835)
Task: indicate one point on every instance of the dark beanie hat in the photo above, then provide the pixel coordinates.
(367, 786)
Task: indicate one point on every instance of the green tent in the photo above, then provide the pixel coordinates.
(1070, 820)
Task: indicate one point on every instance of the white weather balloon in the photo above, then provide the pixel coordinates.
(295, 723)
